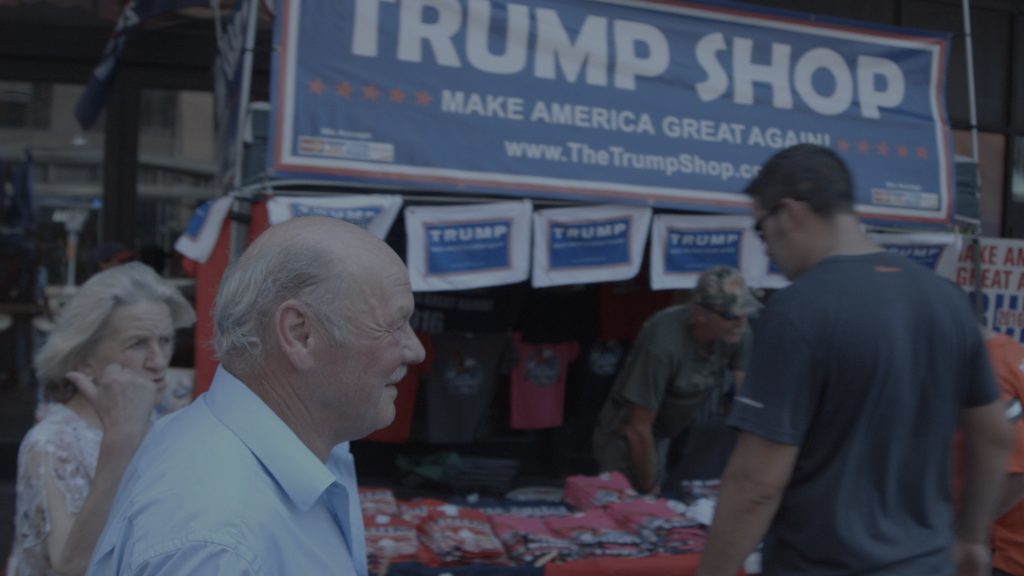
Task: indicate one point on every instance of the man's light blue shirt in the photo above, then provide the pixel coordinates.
(225, 487)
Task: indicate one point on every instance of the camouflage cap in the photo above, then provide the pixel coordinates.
(723, 288)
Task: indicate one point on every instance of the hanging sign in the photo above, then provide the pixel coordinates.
(374, 212)
(684, 246)
(203, 229)
(588, 244)
(934, 250)
(1001, 277)
(464, 247)
(674, 105)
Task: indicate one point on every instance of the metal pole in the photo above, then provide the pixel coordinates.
(240, 209)
(972, 104)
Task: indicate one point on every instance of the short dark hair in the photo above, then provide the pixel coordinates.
(806, 172)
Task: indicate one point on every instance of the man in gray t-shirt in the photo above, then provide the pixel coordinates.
(681, 355)
(862, 369)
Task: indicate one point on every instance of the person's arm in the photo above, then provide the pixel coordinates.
(987, 441)
(639, 431)
(753, 484)
(124, 401)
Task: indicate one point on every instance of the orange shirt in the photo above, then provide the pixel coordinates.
(1007, 358)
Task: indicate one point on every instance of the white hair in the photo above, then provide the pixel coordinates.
(259, 282)
(82, 321)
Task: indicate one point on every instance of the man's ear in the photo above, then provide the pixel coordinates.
(795, 211)
(296, 336)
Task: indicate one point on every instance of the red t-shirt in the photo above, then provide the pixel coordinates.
(1007, 358)
(537, 389)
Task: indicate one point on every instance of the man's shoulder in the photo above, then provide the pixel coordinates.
(219, 498)
(187, 526)
(192, 465)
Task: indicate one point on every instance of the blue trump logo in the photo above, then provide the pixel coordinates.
(468, 247)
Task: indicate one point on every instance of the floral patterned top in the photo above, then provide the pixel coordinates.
(63, 449)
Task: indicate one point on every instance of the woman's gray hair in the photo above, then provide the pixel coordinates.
(254, 286)
(81, 322)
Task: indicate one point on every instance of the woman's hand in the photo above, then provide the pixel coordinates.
(123, 398)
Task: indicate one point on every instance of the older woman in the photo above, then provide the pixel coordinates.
(103, 367)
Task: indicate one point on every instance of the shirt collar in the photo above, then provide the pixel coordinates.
(298, 471)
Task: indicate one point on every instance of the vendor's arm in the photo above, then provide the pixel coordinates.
(988, 441)
(639, 431)
(753, 484)
(124, 401)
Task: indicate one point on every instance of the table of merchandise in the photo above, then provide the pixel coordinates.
(599, 526)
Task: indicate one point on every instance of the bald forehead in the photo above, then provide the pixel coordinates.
(315, 232)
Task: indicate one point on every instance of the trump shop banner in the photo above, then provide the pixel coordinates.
(996, 265)
(674, 105)
(464, 247)
(588, 244)
(374, 212)
(684, 246)
(939, 252)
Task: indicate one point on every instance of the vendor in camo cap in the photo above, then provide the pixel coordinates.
(681, 354)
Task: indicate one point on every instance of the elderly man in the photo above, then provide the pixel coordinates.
(680, 356)
(861, 369)
(255, 477)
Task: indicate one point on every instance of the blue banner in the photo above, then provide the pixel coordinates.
(229, 74)
(927, 256)
(697, 250)
(375, 212)
(474, 247)
(589, 243)
(470, 246)
(639, 102)
(585, 244)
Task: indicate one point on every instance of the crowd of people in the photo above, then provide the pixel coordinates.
(848, 393)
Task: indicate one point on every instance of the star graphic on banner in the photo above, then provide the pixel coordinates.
(903, 151)
(922, 152)
(423, 98)
(883, 148)
(343, 89)
(843, 144)
(397, 95)
(370, 92)
(316, 86)
(863, 146)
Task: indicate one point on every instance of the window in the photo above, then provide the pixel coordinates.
(25, 105)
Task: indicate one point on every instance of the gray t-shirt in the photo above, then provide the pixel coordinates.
(864, 362)
(668, 371)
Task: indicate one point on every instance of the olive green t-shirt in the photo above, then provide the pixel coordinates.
(668, 371)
